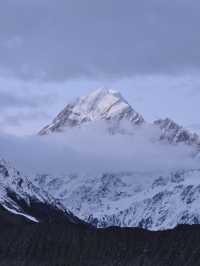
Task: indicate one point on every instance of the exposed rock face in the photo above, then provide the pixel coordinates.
(100, 105)
(173, 133)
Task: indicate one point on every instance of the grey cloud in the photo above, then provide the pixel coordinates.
(11, 99)
(22, 96)
(90, 149)
(24, 107)
(153, 96)
(20, 118)
(108, 38)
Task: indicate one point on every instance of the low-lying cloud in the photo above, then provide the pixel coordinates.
(92, 149)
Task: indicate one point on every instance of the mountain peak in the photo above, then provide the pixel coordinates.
(105, 92)
(101, 104)
(174, 133)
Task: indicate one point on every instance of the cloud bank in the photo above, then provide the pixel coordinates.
(91, 149)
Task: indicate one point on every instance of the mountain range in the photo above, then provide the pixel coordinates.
(88, 218)
(148, 199)
(110, 106)
(159, 200)
(54, 219)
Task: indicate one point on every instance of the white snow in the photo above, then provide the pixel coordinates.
(101, 104)
(15, 182)
(127, 199)
(21, 214)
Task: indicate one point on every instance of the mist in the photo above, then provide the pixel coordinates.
(91, 149)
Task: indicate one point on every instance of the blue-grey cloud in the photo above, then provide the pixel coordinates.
(11, 99)
(92, 149)
(58, 40)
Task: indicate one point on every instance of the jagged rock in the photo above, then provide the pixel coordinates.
(174, 133)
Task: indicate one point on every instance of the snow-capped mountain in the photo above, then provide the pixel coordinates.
(110, 106)
(123, 200)
(169, 201)
(100, 105)
(153, 200)
(18, 195)
(174, 133)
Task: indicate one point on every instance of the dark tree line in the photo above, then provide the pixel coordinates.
(60, 243)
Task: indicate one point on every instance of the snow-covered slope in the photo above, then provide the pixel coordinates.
(102, 104)
(130, 199)
(20, 196)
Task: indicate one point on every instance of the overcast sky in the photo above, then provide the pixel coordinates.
(52, 51)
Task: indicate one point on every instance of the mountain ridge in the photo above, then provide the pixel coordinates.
(110, 106)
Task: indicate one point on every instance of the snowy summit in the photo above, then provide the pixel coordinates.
(102, 104)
